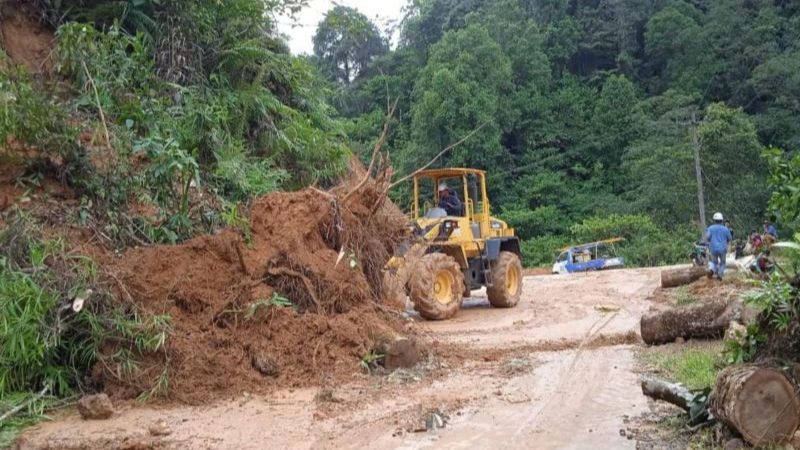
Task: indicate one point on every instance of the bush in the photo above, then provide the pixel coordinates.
(615, 225)
(529, 223)
(45, 345)
(32, 117)
(645, 243)
(542, 250)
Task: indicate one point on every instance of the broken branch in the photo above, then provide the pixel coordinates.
(375, 151)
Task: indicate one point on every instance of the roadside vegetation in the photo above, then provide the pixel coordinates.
(694, 365)
(58, 323)
(163, 120)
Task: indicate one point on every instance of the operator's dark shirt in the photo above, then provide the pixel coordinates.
(452, 204)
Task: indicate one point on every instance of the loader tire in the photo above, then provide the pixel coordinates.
(435, 287)
(506, 286)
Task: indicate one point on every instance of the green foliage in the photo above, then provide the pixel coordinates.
(542, 250)
(45, 344)
(645, 243)
(778, 304)
(777, 301)
(371, 360)
(32, 117)
(628, 227)
(345, 43)
(459, 90)
(591, 108)
(784, 180)
(535, 222)
(250, 120)
(743, 347)
(683, 297)
(729, 145)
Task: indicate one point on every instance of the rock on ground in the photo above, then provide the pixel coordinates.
(95, 407)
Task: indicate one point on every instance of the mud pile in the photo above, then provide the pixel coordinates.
(232, 329)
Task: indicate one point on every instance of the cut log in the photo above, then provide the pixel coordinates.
(678, 277)
(667, 392)
(760, 403)
(692, 321)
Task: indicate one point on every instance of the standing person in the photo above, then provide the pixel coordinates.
(718, 237)
(770, 232)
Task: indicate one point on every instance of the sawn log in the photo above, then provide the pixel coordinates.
(692, 321)
(678, 277)
(760, 403)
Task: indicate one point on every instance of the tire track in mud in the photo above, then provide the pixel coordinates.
(571, 375)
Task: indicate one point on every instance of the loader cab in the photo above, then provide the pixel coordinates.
(470, 187)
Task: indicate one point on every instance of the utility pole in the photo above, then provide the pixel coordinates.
(699, 173)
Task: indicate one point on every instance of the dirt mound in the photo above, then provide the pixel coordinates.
(24, 39)
(233, 329)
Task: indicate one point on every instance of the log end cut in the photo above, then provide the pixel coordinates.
(760, 403)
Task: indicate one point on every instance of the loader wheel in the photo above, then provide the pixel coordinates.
(507, 281)
(435, 287)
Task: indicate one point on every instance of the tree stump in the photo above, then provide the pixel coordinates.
(760, 403)
(678, 277)
(692, 321)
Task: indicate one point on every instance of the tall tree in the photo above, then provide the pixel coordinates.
(345, 43)
(462, 88)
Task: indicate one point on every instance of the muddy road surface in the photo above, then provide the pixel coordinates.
(557, 371)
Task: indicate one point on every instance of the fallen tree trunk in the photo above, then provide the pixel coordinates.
(693, 321)
(760, 403)
(667, 392)
(678, 277)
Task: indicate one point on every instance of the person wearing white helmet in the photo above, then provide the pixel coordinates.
(449, 201)
(718, 237)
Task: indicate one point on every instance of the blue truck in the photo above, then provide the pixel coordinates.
(600, 255)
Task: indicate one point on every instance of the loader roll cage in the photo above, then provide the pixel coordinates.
(471, 180)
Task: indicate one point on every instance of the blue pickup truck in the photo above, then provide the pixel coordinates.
(599, 255)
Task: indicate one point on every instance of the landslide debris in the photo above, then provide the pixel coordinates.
(298, 304)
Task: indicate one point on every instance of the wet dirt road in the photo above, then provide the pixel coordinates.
(557, 371)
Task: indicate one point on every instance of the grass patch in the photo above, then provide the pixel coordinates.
(695, 366)
(682, 296)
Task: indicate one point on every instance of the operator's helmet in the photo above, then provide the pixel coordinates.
(718, 217)
(442, 186)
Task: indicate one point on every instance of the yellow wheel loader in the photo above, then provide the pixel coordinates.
(460, 246)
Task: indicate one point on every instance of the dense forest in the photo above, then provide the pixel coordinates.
(587, 110)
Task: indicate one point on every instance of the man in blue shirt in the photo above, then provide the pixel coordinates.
(770, 232)
(718, 237)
